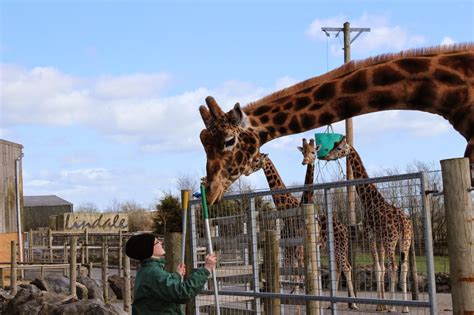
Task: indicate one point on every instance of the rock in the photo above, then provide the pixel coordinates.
(82, 307)
(60, 285)
(93, 289)
(30, 300)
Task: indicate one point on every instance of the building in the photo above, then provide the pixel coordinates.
(11, 195)
(38, 209)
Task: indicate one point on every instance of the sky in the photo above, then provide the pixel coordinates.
(104, 95)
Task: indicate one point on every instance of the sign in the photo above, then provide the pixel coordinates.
(94, 222)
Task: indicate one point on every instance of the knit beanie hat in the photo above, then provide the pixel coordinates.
(140, 246)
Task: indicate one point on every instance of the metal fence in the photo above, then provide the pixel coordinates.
(279, 261)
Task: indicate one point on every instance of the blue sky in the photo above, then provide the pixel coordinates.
(104, 95)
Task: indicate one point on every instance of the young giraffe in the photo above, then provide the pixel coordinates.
(385, 225)
(341, 233)
(293, 256)
(288, 201)
(437, 80)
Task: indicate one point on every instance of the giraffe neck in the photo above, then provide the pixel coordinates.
(437, 81)
(368, 193)
(282, 201)
(307, 196)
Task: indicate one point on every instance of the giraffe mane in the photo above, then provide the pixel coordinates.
(355, 65)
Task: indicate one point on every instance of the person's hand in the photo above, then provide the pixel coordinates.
(210, 262)
(182, 269)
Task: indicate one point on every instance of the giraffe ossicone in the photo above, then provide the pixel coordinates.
(436, 80)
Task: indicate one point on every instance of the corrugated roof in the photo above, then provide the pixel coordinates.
(49, 200)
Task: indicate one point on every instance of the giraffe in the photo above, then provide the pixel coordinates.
(341, 232)
(385, 225)
(288, 201)
(437, 80)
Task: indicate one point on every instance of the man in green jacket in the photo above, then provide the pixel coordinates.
(156, 290)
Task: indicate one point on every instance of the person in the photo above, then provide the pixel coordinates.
(157, 291)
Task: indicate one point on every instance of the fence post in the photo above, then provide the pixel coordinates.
(30, 246)
(173, 250)
(72, 265)
(50, 244)
(13, 268)
(272, 272)
(253, 246)
(105, 263)
(65, 259)
(120, 254)
(86, 242)
(460, 226)
(310, 260)
(127, 294)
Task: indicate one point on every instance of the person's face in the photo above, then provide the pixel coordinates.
(158, 249)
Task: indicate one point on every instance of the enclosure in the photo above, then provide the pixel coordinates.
(273, 261)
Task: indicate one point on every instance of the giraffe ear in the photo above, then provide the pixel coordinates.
(300, 149)
(238, 116)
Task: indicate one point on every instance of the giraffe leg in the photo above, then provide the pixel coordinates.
(376, 268)
(393, 270)
(348, 273)
(405, 246)
(381, 277)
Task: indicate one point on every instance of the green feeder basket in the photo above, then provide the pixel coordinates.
(326, 141)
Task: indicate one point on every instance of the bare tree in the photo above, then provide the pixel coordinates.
(87, 207)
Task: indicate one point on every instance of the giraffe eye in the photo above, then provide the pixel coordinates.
(229, 142)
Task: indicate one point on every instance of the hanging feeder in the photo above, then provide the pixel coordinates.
(326, 141)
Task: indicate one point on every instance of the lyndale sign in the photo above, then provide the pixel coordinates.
(98, 222)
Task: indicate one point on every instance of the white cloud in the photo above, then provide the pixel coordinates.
(447, 41)
(134, 85)
(383, 36)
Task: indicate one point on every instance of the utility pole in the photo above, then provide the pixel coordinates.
(346, 29)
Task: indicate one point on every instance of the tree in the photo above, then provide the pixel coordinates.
(87, 207)
(168, 217)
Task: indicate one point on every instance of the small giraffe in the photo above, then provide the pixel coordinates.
(288, 201)
(436, 80)
(341, 233)
(385, 225)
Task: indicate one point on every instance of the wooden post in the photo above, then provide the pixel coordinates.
(310, 259)
(173, 251)
(42, 272)
(120, 254)
(50, 244)
(272, 272)
(127, 293)
(105, 266)
(460, 226)
(65, 258)
(30, 246)
(72, 265)
(83, 254)
(13, 269)
(86, 241)
(91, 268)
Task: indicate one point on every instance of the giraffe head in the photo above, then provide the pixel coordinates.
(309, 151)
(341, 149)
(258, 162)
(230, 144)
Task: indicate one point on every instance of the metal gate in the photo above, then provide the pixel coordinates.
(273, 261)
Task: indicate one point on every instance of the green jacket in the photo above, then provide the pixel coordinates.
(160, 292)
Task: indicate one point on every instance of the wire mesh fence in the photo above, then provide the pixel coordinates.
(311, 259)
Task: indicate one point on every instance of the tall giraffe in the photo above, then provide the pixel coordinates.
(295, 226)
(341, 233)
(385, 225)
(438, 80)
